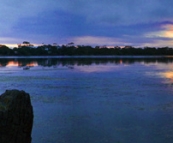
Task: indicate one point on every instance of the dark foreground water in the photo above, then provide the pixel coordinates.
(96, 100)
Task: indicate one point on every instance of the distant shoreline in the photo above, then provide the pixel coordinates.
(85, 51)
(89, 57)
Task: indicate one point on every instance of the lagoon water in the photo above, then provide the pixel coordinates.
(111, 100)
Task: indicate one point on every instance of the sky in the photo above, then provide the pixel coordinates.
(137, 23)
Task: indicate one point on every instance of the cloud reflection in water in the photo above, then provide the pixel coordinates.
(97, 68)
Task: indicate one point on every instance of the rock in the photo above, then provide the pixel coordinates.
(16, 117)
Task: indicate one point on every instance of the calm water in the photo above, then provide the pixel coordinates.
(121, 100)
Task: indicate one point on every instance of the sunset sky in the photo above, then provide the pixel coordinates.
(137, 23)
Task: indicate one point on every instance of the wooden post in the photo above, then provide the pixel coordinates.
(16, 117)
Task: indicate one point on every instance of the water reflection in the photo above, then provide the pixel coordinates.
(126, 105)
(48, 62)
(168, 76)
(16, 63)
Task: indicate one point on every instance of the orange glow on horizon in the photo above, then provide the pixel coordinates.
(166, 32)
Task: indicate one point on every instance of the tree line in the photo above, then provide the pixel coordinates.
(45, 50)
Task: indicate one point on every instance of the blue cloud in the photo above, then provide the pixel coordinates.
(61, 21)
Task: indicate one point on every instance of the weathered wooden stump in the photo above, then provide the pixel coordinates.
(16, 117)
